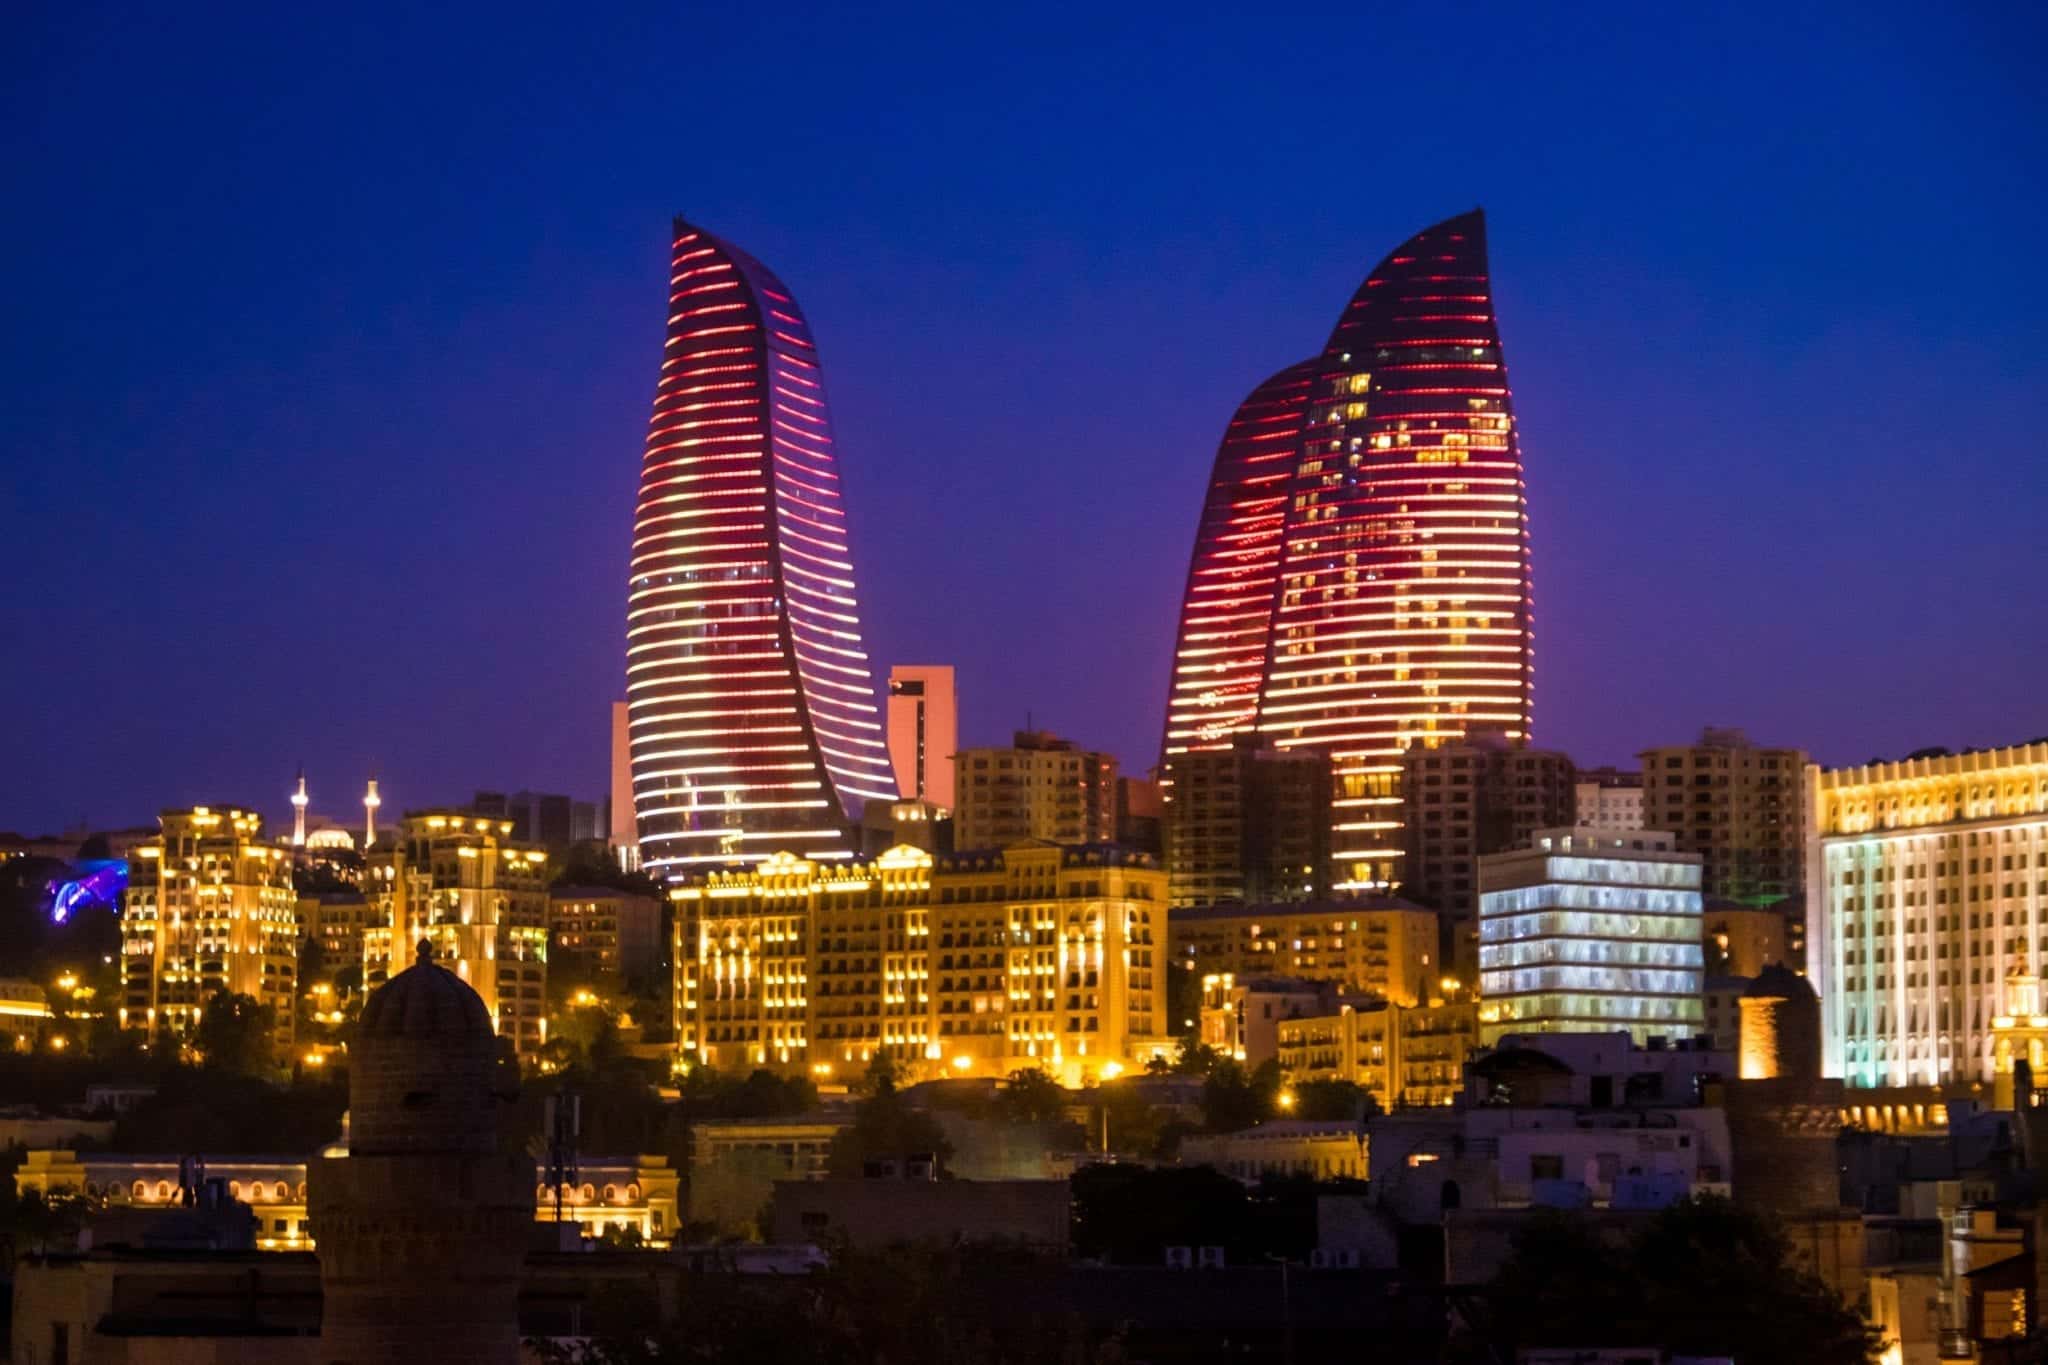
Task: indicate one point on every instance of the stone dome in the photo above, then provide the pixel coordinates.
(425, 1001)
(1779, 982)
(424, 1069)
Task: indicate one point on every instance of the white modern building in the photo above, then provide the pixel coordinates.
(1591, 931)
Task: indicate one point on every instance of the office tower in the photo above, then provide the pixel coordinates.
(1360, 576)
(1041, 787)
(1481, 794)
(1608, 798)
(924, 723)
(1590, 931)
(1376, 945)
(1927, 898)
(1249, 823)
(753, 716)
(459, 881)
(976, 963)
(1738, 806)
(621, 828)
(210, 907)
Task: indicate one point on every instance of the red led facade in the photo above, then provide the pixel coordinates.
(1399, 604)
(753, 722)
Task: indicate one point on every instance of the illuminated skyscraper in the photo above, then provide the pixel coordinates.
(1360, 576)
(923, 731)
(753, 718)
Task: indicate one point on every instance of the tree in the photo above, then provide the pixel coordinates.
(1233, 1098)
(1031, 1096)
(1703, 1278)
(886, 1128)
(234, 1034)
(1334, 1100)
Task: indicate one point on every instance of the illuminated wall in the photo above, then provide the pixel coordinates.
(1927, 888)
(1396, 582)
(966, 964)
(753, 715)
(1590, 931)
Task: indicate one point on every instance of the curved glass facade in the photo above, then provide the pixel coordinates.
(1401, 612)
(753, 719)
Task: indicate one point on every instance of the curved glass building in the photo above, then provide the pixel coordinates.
(753, 722)
(1398, 611)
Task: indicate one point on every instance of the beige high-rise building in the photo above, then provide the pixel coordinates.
(1378, 945)
(968, 964)
(458, 881)
(924, 720)
(623, 828)
(1927, 911)
(1608, 798)
(1736, 804)
(1478, 794)
(1042, 787)
(210, 907)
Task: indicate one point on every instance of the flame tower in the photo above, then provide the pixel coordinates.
(1360, 578)
(753, 721)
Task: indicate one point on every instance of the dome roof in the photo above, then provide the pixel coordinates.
(1779, 982)
(426, 1001)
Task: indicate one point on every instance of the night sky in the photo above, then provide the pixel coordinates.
(330, 337)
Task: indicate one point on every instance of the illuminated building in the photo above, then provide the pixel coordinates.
(210, 907)
(968, 964)
(1590, 931)
(1377, 945)
(621, 828)
(1479, 794)
(1327, 1149)
(1927, 888)
(612, 1192)
(604, 935)
(1608, 798)
(337, 921)
(1248, 823)
(924, 719)
(1406, 1057)
(1738, 806)
(1241, 1016)
(1360, 576)
(460, 882)
(753, 718)
(1042, 787)
(920, 824)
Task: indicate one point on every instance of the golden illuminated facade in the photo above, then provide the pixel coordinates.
(1378, 945)
(1927, 887)
(459, 881)
(610, 1193)
(1360, 581)
(969, 964)
(1407, 1058)
(210, 907)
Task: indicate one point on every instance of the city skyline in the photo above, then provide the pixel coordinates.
(405, 533)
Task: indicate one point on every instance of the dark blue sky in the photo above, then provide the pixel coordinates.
(330, 338)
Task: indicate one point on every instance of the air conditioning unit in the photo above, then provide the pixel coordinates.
(1211, 1258)
(1180, 1258)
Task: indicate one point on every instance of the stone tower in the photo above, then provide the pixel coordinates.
(422, 1228)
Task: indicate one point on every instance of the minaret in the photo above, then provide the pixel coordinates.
(370, 803)
(299, 811)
